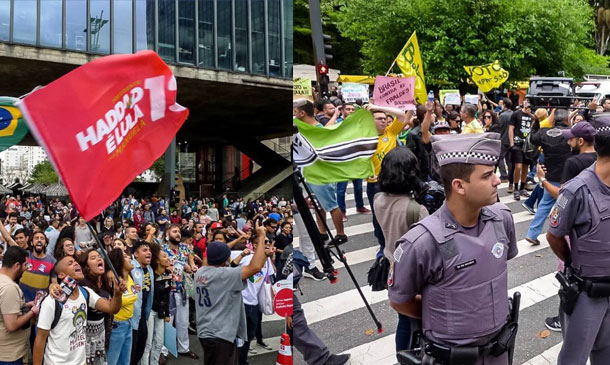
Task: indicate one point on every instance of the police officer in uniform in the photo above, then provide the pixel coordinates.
(581, 212)
(450, 269)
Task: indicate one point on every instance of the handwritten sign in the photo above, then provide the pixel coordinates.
(442, 94)
(471, 99)
(301, 88)
(395, 92)
(453, 99)
(353, 92)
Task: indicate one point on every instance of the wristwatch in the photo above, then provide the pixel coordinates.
(541, 182)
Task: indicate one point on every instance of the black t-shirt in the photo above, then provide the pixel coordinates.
(522, 123)
(282, 241)
(575, 164)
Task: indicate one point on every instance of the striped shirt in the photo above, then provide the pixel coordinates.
(37, 277)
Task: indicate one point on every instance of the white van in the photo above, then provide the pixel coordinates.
(594, 86)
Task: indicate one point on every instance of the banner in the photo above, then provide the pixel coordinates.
(396, 92)
(443, 93)
(353, 92)
(487, 77)
(358, 79)
(104, 123)
(409, 61)
(301, 88)
(12, 125)
(338, 153)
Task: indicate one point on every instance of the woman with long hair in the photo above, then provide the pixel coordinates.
(119, 349)
(99, 324)
(491, 123)
(64, 247)
(399, 185)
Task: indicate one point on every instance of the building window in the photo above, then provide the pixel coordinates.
(5, 19)
(206, 33)
(224, 39)
(24, 21)
(186, 31)
(122, 26)
(288, 38)
(99, 23)
(241, 36)
(145, 24)
(275, 46)
(50, 23)
(76, 26)
(258, 36)
(167, 30)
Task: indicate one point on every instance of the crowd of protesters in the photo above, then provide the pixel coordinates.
(185, 265)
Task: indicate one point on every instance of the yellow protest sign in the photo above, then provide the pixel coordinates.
(488, 76)
(359, 79)
(409, 61)
(301, 88)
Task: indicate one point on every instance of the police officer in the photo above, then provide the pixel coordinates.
(581, 211)
(450, 269)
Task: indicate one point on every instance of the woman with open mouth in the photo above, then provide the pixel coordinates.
(94, 269)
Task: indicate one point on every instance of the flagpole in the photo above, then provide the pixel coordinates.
(393, 63)
(102, 251)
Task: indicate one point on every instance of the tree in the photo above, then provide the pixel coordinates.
(527, 37)
(44, 173)
(158, 167)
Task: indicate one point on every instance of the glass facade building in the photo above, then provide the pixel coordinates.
(243, 36)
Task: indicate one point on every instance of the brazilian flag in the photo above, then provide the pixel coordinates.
(12, 124)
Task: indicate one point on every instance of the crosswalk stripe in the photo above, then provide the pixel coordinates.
(380, 351)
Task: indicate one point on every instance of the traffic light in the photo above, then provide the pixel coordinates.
(320, 47)
(327, 47)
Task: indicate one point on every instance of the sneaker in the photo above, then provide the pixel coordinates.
(510, 188)
(529, 186)
(338, 240)
(337, 359)
(516, 195)
(252, 351)
(344, 217)
(324, 236)
(553, 324)
(264, 345)
(363, 210)
(524, 193)
(314, 274)
(533, 241)
(528, 208)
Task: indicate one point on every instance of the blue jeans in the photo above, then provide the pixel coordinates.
(535, 197)
(403, 332)
(119, 349)
(544, 207)
(16, 362)
(371, 190)
(342, 187)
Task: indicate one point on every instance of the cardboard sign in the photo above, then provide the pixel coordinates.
(471, 99)
(352, 92)
(396, 92)
(443, 93)
(301, 88)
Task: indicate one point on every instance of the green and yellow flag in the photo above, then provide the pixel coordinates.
(339, 153)
(409, 61)
(12, 124)
(487, 77)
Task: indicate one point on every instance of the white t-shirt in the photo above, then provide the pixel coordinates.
(255, 282)
(67, 341)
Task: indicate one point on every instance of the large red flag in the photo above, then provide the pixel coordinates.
(104, 123)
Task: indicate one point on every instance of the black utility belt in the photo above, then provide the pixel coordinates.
(470, 354)
(594, 287)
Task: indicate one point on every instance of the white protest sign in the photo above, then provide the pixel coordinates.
(453, 99)
(471, 99)
(352, 92)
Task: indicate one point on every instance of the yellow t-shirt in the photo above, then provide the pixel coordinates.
(473, 127)
(129, 298)
(546, 123)
(387, 142)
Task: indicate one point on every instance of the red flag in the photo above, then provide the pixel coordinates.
(104, 123)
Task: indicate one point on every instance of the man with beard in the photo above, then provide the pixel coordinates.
(15, 314)
(142, 273)
(181, 258)
(40, 268)
(61, 337)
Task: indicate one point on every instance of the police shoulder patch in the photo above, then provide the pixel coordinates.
(498, 250)
(562, 200)
(398, 253)
(554, 217)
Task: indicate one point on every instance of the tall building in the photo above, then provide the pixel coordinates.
(19, 161)
(232, 60)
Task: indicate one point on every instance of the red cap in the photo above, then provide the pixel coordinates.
(216, 225)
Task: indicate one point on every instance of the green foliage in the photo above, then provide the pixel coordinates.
(527, 37)
(158, 167)
(44, 173)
